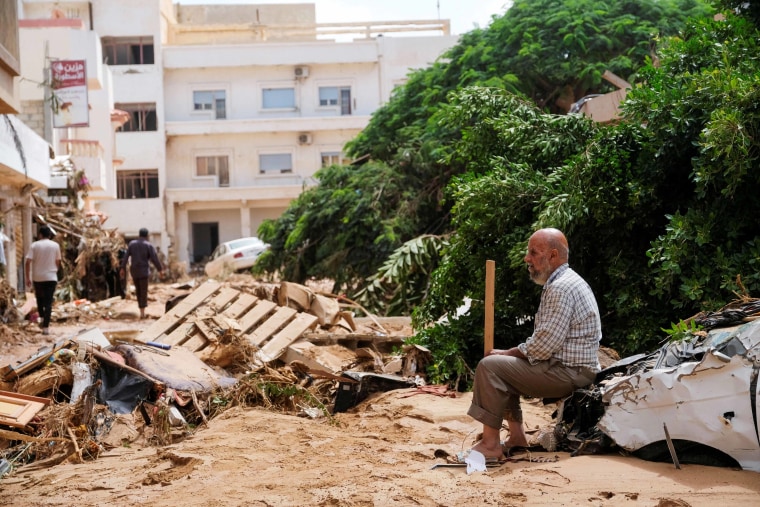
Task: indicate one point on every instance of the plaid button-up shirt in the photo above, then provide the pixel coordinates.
(567, 324)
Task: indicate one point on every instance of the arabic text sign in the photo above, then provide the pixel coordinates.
(70, 108)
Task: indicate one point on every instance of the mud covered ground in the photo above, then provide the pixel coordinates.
(380, 453)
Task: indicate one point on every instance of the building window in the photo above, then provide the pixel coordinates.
(128, 50)
(336, 96)
(142, 117)
(214, 166)
(333, 158)
(275, 163)
(211, 100)
(141, 184)
(278, 98)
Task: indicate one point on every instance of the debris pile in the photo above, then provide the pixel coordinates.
(282, 347)
(91, 254)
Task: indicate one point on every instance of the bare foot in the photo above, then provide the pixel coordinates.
(516, 442)
(488, 452)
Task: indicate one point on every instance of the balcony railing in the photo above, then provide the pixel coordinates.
(82, 148)
(87, 156)
(250, 32)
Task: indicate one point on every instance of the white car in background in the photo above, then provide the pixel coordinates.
(236, 255)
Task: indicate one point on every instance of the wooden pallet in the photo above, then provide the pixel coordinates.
(212, 310)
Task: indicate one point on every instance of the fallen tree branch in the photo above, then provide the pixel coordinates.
(77, 450)
(197, 407)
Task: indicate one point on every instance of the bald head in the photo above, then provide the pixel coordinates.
(547, 250)
(555, 240)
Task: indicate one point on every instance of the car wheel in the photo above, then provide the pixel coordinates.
(687, 452)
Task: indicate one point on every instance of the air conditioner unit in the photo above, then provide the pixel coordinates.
(304, 138)
(302, 71)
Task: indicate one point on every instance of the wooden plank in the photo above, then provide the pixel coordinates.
(196, 342)
(242, 305)
(221, 300)
(226, 324)
(204, 329)
(615, 80)
(11, 372)
(295, 352)
(258, 312)
(271, 325)
(169, 320)
(180, 335)
(490, 283)
(290, 333)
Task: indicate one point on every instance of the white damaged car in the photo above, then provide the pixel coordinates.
(692, 401)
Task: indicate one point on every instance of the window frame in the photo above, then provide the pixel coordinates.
(149, 184)
(142, 115)
(270, 172)
(345, 107)
(213, 108)
(216, 176)
(122, 50)
(272, 86)
(339, 157)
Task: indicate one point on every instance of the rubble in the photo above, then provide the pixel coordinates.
(283, 347)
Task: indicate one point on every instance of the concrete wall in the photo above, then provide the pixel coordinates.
(137, 84)
(241, 49)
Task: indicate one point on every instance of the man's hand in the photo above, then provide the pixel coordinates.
(514, 352)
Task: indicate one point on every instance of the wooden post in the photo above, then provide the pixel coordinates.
(490, 281)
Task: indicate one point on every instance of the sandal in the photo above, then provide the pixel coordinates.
(461, 457)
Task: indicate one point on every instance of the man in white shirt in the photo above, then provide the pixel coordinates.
(41, 269)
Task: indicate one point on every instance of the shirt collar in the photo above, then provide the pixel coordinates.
(557, 273)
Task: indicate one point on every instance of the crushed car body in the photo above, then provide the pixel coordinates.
(692, 401)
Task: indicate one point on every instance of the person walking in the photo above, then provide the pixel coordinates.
(41, 270)
(142, 254)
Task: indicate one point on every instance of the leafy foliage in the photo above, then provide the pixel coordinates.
(343, 228)
(401, 283)
(683, 331)
(659, 209)
(553, 52)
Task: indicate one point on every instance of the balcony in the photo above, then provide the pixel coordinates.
(87, 156)
(30, 163)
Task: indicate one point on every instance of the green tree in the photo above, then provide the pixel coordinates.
(659, 210)
(530, 51)
(341, 229)
(553, 52)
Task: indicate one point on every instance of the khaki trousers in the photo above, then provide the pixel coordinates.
(501, 380)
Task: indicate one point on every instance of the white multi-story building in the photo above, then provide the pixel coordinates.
(231, 108)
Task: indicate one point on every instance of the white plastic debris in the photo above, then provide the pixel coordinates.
(476, 462)
(82, 380)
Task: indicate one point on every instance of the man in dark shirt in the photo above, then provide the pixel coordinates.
(142, 253)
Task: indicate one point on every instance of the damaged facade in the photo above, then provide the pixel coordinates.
(24, 155)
